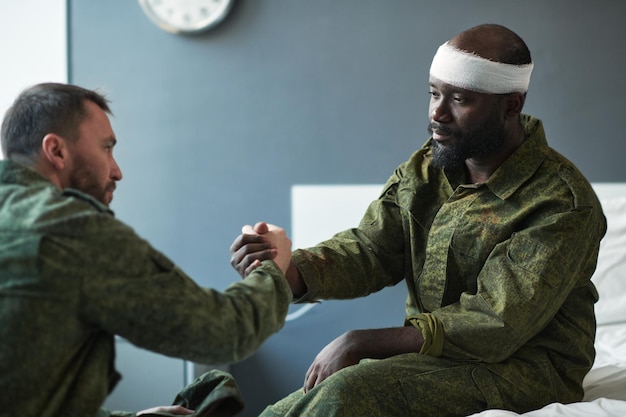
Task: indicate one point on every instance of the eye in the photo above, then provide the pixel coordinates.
(108, 145)
(460, 99)
(433, 94)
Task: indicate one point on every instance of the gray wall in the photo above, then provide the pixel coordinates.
(214, 129)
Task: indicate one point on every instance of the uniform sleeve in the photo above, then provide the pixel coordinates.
(359, 261)
(128, 288)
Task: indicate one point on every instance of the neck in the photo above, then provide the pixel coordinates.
(45, 170)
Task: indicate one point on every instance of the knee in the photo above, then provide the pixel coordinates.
(345, 383)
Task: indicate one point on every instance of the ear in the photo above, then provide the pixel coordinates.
(54, 150)
(513, 104)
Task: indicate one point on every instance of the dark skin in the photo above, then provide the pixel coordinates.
(451, 107)
(460, 109)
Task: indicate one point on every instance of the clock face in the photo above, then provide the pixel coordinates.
(186, 16)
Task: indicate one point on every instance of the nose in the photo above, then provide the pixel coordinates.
(116, 172)
(439, 111)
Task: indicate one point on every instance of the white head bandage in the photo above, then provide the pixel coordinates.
(472, 72)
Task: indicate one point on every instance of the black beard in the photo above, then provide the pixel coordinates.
(479, 142)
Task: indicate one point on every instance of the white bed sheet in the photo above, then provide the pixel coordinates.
(603, 407)
(605, 385)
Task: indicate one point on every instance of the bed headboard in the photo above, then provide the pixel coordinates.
(319, 211)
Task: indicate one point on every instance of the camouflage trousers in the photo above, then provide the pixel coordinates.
(411, 385)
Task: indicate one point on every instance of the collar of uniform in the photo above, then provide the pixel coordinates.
(13, 173)
(72, 192)
(523, 163)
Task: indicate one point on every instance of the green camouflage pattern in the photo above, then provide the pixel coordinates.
(72, 277)
(500, 271)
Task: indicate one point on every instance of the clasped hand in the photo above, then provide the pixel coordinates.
(259, 243)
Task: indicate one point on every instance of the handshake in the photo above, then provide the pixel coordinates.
(262, 242)
(258, 243)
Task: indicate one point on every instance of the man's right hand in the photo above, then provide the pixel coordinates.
(277, 237)
(261, 242)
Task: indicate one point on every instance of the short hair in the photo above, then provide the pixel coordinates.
(517, 52)
(512, 48)
(42, 109)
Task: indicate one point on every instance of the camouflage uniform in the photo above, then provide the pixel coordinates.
(498, 276)
(72, 277)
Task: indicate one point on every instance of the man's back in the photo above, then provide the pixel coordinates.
(72, 277)
(49, 358)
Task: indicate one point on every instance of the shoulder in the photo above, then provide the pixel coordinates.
(65, 212)
(414, 170)
(548, 173)
(417, 177)
(559, 176)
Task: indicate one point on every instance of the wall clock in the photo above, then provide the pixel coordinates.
(186, 16)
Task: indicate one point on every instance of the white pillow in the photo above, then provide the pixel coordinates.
(610, 274)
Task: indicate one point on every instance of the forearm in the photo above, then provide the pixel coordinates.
(296, 283)
(170, 314)
(351, 347)
(384, 343)
(346, 267)
(259, 311)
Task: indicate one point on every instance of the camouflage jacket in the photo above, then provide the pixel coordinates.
(72, 277)
(497, 273)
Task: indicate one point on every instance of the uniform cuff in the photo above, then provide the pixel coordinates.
(432, 331)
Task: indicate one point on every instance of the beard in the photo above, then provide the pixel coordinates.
(483, 140)
(82, 179)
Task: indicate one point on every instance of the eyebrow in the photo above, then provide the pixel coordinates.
(451, 89)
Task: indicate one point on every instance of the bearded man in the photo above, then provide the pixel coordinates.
(72, 276)
(496, 236)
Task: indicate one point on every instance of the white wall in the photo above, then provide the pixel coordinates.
(33, 45)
